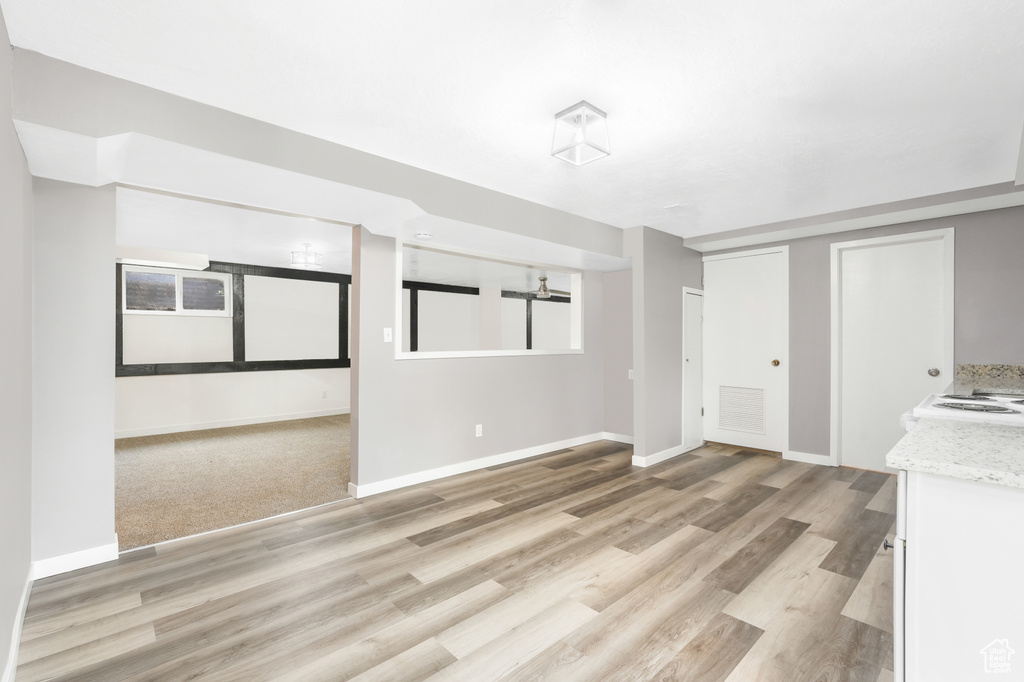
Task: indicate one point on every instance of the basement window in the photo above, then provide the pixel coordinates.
(163, 291)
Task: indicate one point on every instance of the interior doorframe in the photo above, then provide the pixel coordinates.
(784, 388)
(682, 414)
(946, 235)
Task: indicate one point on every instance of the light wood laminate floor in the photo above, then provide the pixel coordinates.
(720, 564)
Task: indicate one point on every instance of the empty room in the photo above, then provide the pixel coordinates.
(521, 341)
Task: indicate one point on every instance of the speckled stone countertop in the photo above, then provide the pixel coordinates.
(973, 451)
(1007, 379)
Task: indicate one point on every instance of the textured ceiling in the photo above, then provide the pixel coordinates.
(742, 112)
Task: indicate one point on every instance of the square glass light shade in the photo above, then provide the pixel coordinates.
(581, 134)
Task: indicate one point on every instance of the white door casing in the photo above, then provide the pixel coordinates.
(892, 322)
(746, 329)
(693, 389)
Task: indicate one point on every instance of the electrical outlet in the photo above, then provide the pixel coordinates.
(630, 374)
(479, 430)
(387, 334)
(324, 395)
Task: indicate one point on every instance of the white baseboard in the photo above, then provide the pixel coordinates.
(807, 457)
(617, 437)
(367, 489)
(203, 426)
(651, 460)
(19, 620)
(44, 568)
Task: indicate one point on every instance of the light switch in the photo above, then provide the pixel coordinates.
(630, 374)
(387, 335)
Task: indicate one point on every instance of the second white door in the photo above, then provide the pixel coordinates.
(894, 313)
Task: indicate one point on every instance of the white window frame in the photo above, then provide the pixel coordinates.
(179, 310)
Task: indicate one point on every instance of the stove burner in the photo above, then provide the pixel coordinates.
(970, 407)
(953, 396)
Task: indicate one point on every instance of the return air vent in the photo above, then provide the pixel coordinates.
(741, 409)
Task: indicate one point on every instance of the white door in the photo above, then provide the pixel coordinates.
(746, 347)
(693, 389)
(895, 319)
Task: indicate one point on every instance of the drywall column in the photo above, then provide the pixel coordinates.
(618, 353)
(73, 377)
(414, 419)
(662, 266)
(15, 372)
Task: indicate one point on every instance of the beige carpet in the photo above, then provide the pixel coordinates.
(180, 484)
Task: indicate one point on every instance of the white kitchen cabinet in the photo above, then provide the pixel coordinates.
(964, 579)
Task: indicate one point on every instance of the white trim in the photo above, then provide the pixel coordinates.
(366, 489)
(617, 437)
(435, 354)
(947, 235)
(19, 621)
(657, 457)
(784, 354)
(202, 426)
(807, 457)
(44, 568)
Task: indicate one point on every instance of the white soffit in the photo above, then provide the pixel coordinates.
(740, 112)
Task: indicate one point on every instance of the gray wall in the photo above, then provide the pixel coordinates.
(416, 415)
(989, 321)
(73, 378)
(618, 352)
(15, 361)
(662, 266)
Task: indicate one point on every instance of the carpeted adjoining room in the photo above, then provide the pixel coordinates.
(179, 484)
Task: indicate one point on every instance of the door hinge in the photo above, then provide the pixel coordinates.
(702, 411)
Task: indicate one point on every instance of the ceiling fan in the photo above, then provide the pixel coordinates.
(544, 292)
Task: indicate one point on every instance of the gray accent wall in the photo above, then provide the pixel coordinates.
(15, 364)
(662, 266)
(989, 318)
(411, 416)
(618, 352)
(73, 369)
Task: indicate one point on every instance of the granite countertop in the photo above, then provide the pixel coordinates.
(973, 451)
(1008, 379)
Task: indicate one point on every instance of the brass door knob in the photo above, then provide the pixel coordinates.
(775, 363)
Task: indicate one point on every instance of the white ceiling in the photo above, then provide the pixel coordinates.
(742, 112)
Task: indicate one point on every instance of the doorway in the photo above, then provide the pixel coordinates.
(746, 348)
(693, 376)
(892, 338)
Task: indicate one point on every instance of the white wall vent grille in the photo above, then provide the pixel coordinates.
(741, 409)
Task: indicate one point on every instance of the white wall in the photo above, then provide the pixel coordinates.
(447, 321)
(618, 352)
(513, 323)
(15, 369)
(73, 370)
(290, 319)
(148, 405)
(150, 339)
(551, 325)
(416, 415)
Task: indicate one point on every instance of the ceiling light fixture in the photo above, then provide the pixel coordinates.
(307, 260)
(581, 134)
